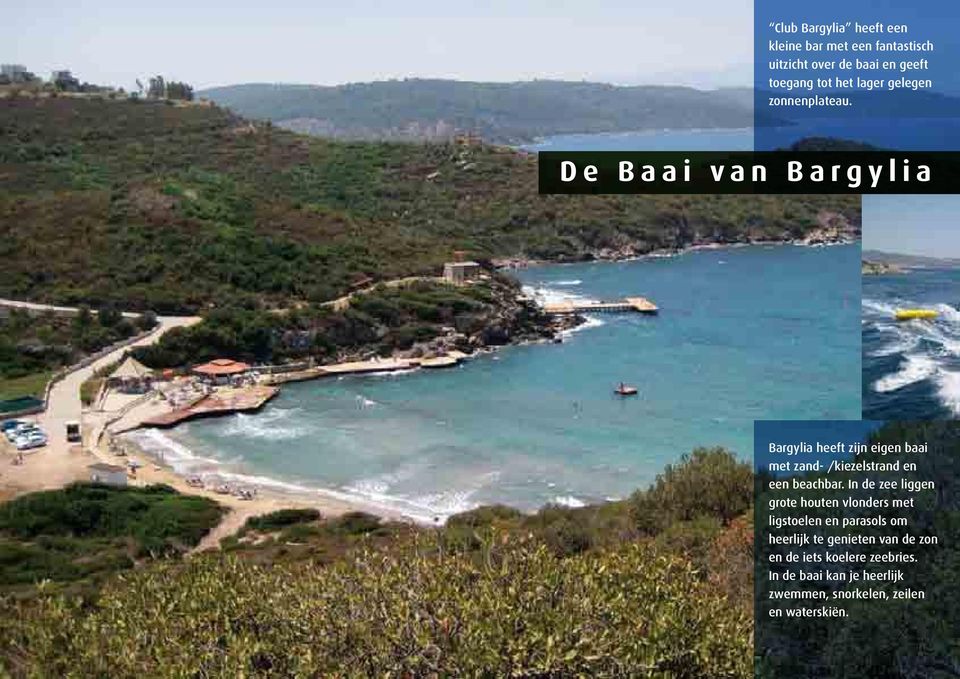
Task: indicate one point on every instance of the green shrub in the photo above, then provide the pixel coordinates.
(522, 612)
(707, 482)
(82, 534)
(356, 523)
(488, 515)
(280, 519)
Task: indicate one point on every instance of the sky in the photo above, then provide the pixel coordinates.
(205, 42)
(912, 225)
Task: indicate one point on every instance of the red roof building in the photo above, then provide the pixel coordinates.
(221, 367)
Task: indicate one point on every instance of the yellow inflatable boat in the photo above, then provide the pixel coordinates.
(911, 314)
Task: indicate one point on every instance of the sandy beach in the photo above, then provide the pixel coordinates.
(61, 462)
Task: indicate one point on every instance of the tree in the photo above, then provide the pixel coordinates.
(179, 90)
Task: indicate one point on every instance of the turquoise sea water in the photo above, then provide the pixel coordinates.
(760, 332)
(914, 134)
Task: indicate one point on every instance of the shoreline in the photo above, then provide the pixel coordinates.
(277, 492)
(514, 263)
(273, 494)
(385, 506)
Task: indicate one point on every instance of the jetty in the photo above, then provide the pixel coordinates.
(449, 359)
(640, 305)
(222, 402)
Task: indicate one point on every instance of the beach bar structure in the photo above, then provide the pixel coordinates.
(640, 305)
(221, 370)
(131, 377)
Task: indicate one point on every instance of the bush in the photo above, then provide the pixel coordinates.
(488, 515)
(356, 523)
(523, 612)
(707, 482)
(280, 519)
(157, 518)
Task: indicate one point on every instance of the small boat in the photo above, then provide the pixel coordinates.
(913, 314)
(625, 390)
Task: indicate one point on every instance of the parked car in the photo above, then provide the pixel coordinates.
(7, 425)
(31, 440)
(19, 430)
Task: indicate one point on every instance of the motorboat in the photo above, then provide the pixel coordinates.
(625, 390)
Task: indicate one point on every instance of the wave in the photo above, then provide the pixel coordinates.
(575, 281)
(948, 390)
(915, 368)
(545, 295)
(929, 349)
(374, 492)
(434, 507)
(588, 323)
(177, 456)
(388, 373)
(885, 308)
(901, 342)
(569, 501)
(273, 424)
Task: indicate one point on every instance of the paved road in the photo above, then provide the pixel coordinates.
(64, 404)
(56, 464)
(43, 308)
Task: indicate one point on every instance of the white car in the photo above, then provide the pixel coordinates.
(21, 429)
(35, 439)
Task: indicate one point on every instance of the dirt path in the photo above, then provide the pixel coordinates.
(341, 303)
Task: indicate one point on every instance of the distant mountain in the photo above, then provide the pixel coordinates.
(829, 144)
(906, 261)
(498, 112)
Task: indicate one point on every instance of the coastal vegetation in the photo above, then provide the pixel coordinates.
(415, 318)
(83, 532)
(33, 346)
(416, 108)
(584, 591)
(185, 208)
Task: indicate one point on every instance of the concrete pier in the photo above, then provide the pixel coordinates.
(640, 305)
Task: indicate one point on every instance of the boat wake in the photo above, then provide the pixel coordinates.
(925, 351)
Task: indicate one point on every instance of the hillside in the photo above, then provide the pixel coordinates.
(901, 260)
(150, 205)
(656, 585)
(870, 268)
(500, 112)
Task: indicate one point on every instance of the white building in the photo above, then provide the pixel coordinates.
(460, 272)
(110, 474)
(15, 73)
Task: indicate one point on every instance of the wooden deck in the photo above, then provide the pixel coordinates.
(223, 402)
(640, 305)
